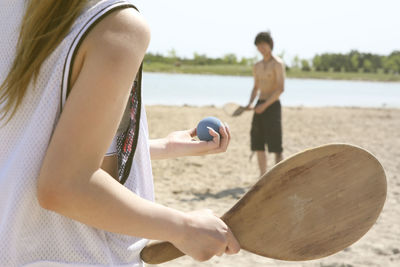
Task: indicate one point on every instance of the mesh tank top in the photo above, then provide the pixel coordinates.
(29, 234)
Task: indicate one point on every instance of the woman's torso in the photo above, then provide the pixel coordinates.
(30, 235)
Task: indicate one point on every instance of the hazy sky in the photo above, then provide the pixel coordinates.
(303, 28)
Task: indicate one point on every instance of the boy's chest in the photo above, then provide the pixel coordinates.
(265, 72)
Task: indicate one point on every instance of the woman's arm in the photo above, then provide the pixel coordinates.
(71, 181)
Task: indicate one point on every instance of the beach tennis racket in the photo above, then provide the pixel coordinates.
(309, 206)
(233, 109)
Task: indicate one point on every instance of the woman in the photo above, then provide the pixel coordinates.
(75, 174)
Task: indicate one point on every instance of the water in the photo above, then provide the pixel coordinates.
(201, 90)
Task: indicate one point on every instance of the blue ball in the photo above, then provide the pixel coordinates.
(202, 131)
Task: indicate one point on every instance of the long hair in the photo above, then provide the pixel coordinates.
(44, 25)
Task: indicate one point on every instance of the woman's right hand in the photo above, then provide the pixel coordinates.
(205, 235)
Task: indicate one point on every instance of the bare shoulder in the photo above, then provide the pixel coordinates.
(278, 61)
(122, 32)
(119, 38)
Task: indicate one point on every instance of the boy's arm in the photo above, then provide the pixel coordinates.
(254, 92)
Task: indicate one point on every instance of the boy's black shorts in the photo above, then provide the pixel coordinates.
(266, 128)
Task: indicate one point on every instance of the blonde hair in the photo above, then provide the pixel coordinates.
(44, 26)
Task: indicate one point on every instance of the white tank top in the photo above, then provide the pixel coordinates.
(29, 234)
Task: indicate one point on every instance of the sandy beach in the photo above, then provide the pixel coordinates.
(218, 181)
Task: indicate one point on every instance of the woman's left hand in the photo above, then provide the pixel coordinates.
(182, 143)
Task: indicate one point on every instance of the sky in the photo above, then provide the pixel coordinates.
(299, 28)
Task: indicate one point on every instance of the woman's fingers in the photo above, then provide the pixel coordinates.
(225, 138)
(192, 132)
(219, 143)
(228, 130)
(233, 246)
(221, 140)
(212, 132)
(213, 236)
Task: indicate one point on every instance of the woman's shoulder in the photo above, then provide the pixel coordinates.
(117, 38)
(116, 32)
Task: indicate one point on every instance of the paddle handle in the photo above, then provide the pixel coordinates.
(160, 252)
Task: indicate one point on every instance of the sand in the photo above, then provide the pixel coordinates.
(218, 181)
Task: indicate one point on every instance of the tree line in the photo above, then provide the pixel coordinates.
(198, 59)
(353, 61)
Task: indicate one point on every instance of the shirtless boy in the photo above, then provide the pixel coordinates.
(266, 128)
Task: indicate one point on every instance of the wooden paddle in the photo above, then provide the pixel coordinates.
(309, 206)
(233, 109)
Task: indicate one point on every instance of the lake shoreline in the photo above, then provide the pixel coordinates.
(206, 90)
(283, 106)
(245, 71)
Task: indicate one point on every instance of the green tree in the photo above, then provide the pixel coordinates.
(305, 65)
(172, 54)
(199, 59)
(317, 63)
(354, 62)
(367, 65)
(244, 61)
(391, 63)
(230, 59)
(296, 62)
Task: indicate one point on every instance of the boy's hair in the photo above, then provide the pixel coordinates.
(264, 37)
